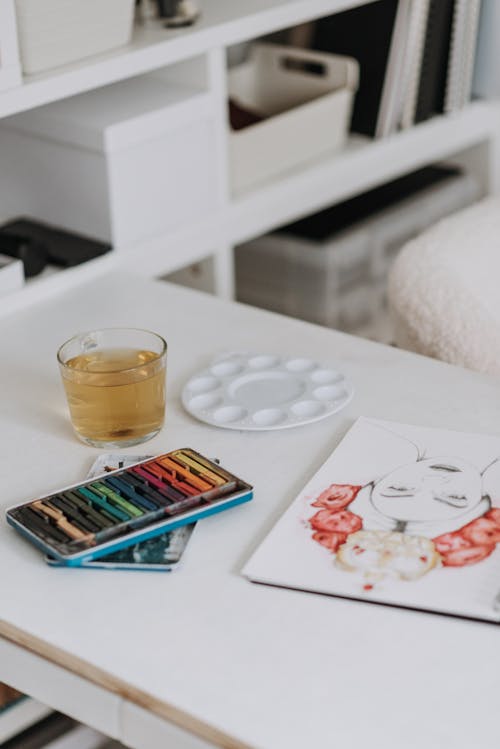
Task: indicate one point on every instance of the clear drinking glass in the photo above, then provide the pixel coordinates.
(115, 385)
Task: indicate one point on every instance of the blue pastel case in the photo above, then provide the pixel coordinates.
(89, 520)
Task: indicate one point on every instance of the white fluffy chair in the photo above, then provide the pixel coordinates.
(444, 290)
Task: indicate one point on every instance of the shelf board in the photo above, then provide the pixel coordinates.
(157, 255)
(223, 22)
(54, 280)
(361, 165)
(19, 716)
(170, 252)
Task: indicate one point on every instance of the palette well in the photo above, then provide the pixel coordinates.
(86, 521)
(255, 391)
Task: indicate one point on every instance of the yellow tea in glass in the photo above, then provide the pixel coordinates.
(115, 385)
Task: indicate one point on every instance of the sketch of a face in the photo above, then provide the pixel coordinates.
(428, 490)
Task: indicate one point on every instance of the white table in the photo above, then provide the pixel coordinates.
(202, 657)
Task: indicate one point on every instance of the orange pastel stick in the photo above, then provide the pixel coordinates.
(179, 470)
(161, 473)
(61, 521)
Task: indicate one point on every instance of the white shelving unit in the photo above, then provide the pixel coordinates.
(20, 716)
(471, 136)
(223, 23)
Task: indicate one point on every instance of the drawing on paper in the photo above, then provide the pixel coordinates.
(420, 515)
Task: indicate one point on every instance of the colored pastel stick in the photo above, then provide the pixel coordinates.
(163, 488)
(101, 501)
(177, 490)
(212, 492)
(36, 524)
(200, 460)
(73, 511)
(206, 497)
(146, 490)
(198, 469)
(179, 485)
(61, 521)
(75, 517)
(188, 475)
(121, 484)
(117, 499)
(102, 518)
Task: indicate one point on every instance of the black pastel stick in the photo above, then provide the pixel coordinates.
(143, 488)
(100, 518)
(76, 517)
(35, 523)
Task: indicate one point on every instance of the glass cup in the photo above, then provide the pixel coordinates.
(115, 385)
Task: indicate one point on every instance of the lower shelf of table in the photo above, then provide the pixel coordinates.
(21, 715)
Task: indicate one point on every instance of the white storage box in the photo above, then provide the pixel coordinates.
(340, 282)
(56, 32)
(120, 164)
(306, 98)
(302, 278)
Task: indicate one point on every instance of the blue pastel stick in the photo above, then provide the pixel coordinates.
(130, 493)
(142, 488)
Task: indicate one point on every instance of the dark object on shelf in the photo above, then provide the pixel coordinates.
(326, 223)
(434, 71)
(241, 117)
(32, 252)
(178, 13)
(8, 695)
(167, 8)
(42, 733)
(364, 33)
(61, 247)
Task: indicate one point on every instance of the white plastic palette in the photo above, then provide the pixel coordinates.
(263, 391)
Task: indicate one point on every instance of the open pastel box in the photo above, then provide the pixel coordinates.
(103, 514)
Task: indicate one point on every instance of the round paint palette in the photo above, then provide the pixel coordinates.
(263, 391)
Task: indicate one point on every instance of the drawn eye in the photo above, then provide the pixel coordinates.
(449, 469)
(456, 500)
(399, 488)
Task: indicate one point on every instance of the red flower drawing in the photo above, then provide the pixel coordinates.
(330, 541)
(337, 496)
(333, 523)
(342, 521)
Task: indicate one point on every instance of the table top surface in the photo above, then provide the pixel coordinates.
(238, 663)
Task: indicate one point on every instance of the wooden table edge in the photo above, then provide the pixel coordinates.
(103, 679)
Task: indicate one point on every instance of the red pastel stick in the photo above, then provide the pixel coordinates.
(183, 486)
(167, 491)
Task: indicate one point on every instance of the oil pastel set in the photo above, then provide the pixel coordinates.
(163, 553)
(118, 509)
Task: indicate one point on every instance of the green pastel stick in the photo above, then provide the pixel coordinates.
(118, 499)
(100, 501)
